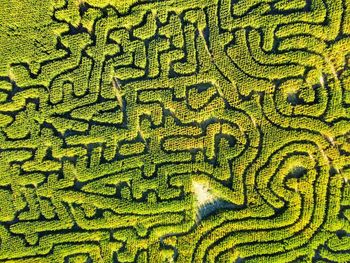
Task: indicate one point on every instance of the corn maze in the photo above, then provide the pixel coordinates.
(174, 131)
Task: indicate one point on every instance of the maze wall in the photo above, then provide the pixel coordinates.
(174, 131)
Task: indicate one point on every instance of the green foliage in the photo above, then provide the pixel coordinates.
(174, 131)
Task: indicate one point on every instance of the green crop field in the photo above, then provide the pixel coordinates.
(204, 131)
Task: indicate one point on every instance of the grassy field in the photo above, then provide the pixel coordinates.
(174, 131)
